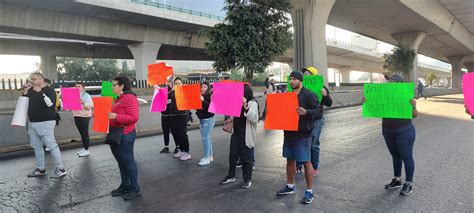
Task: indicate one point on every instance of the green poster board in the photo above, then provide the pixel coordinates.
(107, 89)
(312, 82)
(388, 100)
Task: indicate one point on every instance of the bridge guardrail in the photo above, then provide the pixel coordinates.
(178, 9)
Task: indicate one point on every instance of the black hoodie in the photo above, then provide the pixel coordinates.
(204, 112)
(309, 102)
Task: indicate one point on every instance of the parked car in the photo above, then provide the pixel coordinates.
(281, 86)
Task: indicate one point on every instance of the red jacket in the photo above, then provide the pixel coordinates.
(127, 109)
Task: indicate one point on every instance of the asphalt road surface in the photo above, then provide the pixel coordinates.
(355, 165)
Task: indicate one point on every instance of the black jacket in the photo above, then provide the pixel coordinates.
(204, 112)
(168, 103)
(173, 108)
(325, 101)
(308, 101)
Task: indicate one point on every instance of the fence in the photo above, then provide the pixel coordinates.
(178, 9)
(15, 84)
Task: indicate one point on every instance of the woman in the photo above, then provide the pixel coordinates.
(206, 124)
(243, 139)
(270, 88)
(166, 121)
(82, 118)
(399, 135)
(125, 114)
(179, 126)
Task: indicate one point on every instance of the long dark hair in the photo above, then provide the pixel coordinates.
(209, 90)
(127, 85)
(267, 82)
(248, 94)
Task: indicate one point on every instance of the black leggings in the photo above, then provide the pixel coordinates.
(82, 124)
(179, 130)
(238, 149)
(166, 128)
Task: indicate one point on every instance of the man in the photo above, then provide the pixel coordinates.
(41, 114)
(296, 145)
(318, 124)
(420, 89)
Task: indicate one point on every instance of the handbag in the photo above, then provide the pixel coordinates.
(228, 125)
(114, 136)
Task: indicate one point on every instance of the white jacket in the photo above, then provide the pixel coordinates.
(251, 124)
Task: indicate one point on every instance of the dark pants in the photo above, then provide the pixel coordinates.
(166, 127)
(82, 124)
(420, 92)
(239, 149)
(123, 153)
(179, 130)
(400, 143)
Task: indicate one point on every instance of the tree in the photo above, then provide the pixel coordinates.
(430, 78)
(399, 61)
(87, 69)
(251, 35)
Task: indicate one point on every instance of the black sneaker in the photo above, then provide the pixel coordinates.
(165, 150)
(176, 150)
(227, 180)
(299, 168)
(396, 183)
(37, 173)
(121, 190)
(406, 190)
(132, 194)
(246, 185)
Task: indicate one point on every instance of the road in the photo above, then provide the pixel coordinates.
(355, 165)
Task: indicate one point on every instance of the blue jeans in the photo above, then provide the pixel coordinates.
(315, 135)
(206, 125)
(43, 132)
(315, 150)
(400, 143)
(123, 153)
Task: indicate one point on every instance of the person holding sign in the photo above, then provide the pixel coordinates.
(206, 123)
(179, 124)
(318, 124)
(42, 114)
(82, 118)
(243, 139)
(166, 120)
(399, 135)
(297, 144)
(123, 119)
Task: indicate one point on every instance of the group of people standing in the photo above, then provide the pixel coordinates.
(301, 148)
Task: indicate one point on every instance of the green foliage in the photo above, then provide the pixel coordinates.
(399, 61)
(86, 69)
(252, 34)
(430, 78)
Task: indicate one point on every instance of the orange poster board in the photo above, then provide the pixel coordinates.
(102, 107)
(188, 97)
(281, 111)
(158, 73)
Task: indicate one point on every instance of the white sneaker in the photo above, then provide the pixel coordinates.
(179, 154)
(185, 156)
(85, 153)
(47, 149)
(204, 162)
(82, 150)
(211, 158)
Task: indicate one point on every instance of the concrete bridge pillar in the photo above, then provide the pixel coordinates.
(143, 54)
(456, 73)
(309, 21)
(49, 67)
(448, 82)
(345, 74)
(411, 40)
